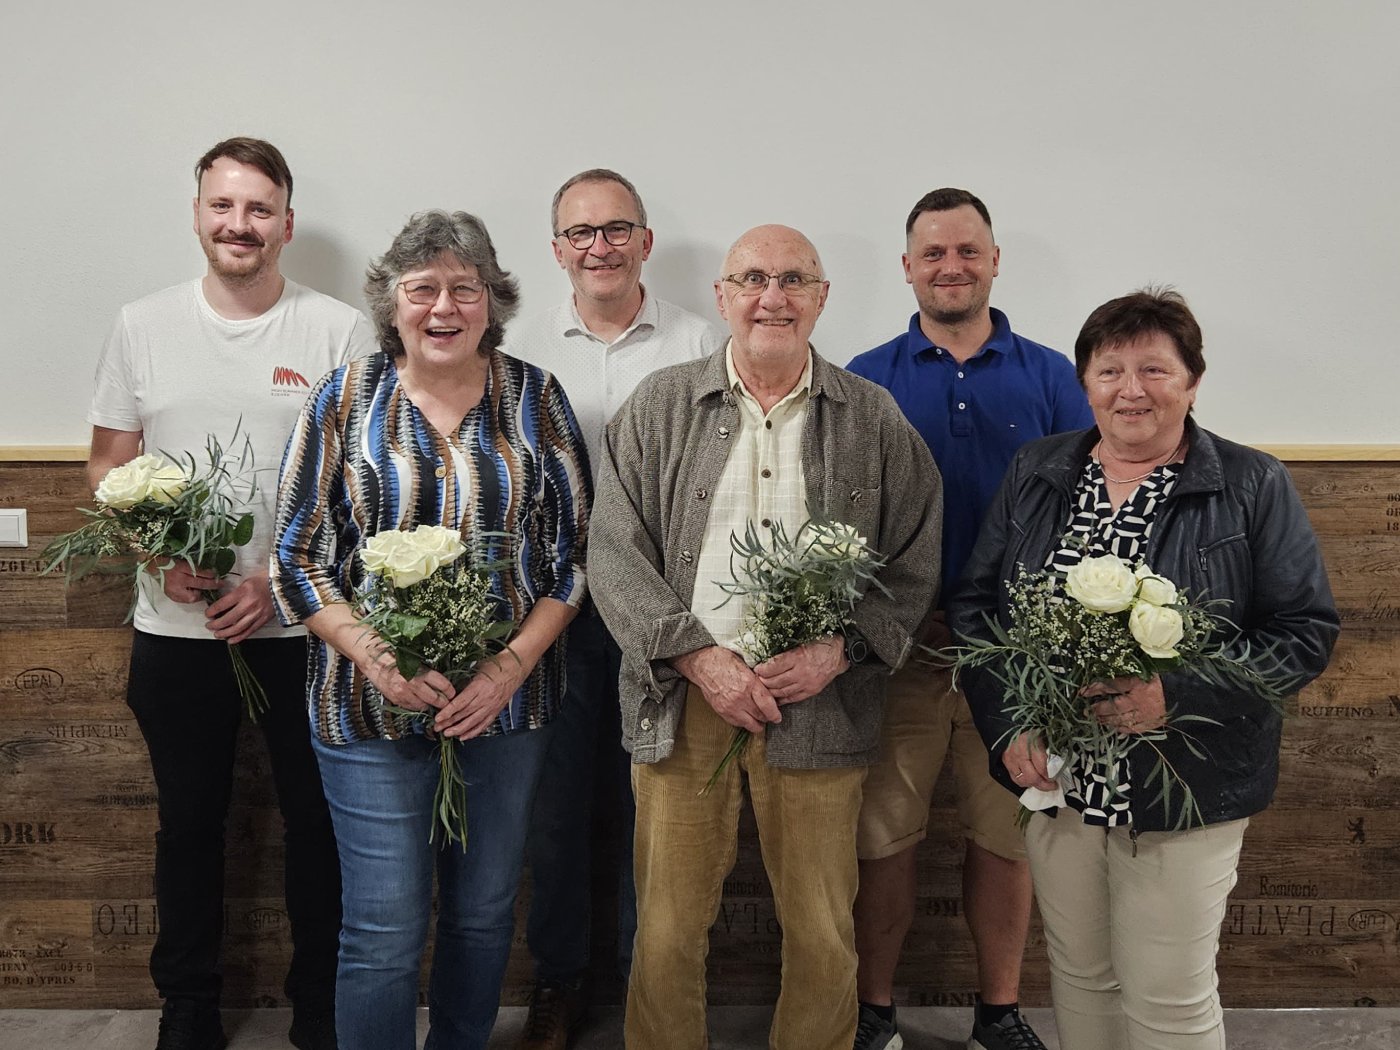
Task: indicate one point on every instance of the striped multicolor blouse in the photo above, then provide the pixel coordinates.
(362, 459)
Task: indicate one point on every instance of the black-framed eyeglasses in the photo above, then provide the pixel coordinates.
(425, 293)
(615, 233)
(790, 282)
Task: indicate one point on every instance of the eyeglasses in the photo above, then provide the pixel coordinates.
(425, 293)
(615, 233)
(755, 282)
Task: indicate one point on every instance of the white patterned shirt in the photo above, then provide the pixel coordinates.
(1101, 792)
(762, 482)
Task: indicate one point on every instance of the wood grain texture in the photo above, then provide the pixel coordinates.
(1312, 921)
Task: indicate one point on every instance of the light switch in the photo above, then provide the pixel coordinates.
(14, 527)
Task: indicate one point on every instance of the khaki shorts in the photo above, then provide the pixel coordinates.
(924, 719)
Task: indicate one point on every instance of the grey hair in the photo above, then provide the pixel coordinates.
(424, 237)
(595, 175)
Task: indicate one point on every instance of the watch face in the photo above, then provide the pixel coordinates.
(856, 648)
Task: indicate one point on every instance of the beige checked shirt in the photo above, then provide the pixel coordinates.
(762, 482)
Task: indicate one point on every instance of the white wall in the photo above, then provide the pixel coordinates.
(1245, 152)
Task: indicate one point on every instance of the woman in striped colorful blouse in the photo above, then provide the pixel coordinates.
(441, 428)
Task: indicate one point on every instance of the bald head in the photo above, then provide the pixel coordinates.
(772, 239)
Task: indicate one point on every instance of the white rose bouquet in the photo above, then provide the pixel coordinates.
(434, 609)
(800, 588)
(1105, 619)
(158, 509)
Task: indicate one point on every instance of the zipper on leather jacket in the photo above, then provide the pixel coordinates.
(1132, 837)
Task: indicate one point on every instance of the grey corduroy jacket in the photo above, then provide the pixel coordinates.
(664, 453)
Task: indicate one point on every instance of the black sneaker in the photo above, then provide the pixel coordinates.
(873, 1032)
(313, 1030)
(1010, 1033)
(186, 1024)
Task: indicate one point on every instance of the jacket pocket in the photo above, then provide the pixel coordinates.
(857, 505)
(1227, 572)
(852, 712)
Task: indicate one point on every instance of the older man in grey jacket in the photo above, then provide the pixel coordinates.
(762, 432)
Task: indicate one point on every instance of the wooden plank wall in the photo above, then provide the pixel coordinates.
(1312, 922)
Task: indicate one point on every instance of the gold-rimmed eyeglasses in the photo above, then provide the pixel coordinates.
(425, 293)
(790, 282)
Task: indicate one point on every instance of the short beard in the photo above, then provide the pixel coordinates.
(955, 318)
(237, 277)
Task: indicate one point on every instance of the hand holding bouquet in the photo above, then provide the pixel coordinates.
(152, 515)
(800, 588)
(1072, 636)
(433, 610)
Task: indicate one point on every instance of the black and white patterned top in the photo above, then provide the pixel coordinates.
(1100, 791)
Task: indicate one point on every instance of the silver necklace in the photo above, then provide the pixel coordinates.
(1098, 453)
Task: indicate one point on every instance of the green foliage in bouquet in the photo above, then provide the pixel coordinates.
(1104, 620)
(158, 509)
(434, 609)
(800, 588)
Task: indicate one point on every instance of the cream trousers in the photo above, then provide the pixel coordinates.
(1132, 939)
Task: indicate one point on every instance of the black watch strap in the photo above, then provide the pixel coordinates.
(857, 648)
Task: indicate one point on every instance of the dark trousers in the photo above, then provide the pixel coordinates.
(186, 702)
(585, 761)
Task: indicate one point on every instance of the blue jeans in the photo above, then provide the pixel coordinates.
(585, 757)
(380, 794)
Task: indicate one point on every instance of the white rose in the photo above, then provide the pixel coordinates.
(376, 551)
(408, 557)
(1156, 629)
(391, 555)
(129, 484)
(442, 543)
(166, 484)
(1154, 589)
(406, 566)
(1104, 584)
(843, 539)
(854, 547)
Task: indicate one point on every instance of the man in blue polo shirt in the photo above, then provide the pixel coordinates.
(977, 392)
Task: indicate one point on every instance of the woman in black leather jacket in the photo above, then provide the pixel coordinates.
(1132, 909)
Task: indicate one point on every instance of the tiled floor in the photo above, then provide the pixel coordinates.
(732, 1028)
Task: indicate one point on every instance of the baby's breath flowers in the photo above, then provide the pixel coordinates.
(1105, 619)
(433, 609)
(151, 513)
(800, 588)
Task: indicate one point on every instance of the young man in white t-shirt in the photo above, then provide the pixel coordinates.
(233, 351)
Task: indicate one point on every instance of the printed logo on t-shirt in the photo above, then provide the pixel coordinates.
(288, 381)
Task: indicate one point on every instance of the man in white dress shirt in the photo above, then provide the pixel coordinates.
(599, 342)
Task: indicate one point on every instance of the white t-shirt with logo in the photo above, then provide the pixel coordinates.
(178, 372)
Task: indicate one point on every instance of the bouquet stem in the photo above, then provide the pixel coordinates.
(736, 748)
(450, 797)
(249, 688)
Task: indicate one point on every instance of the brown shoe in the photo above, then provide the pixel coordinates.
(556, 1008)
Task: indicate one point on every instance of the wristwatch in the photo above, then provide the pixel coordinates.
(857, 648)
